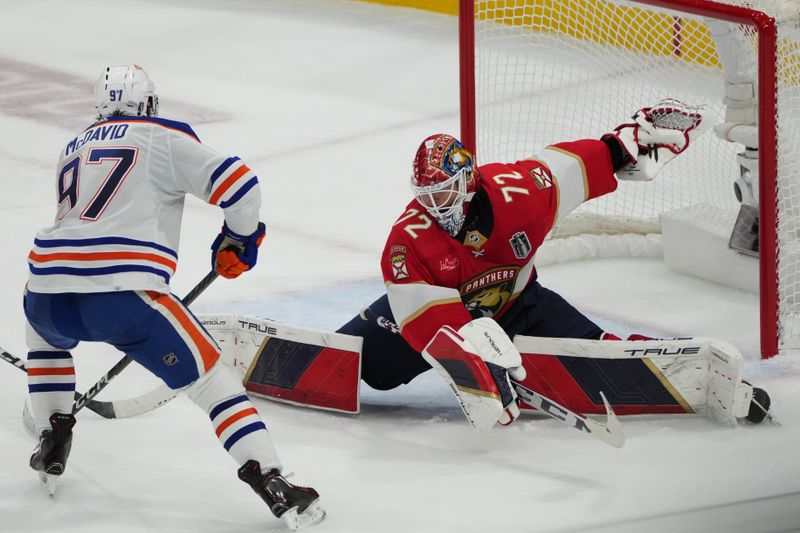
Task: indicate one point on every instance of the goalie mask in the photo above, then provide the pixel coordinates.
(125, 90)
(443, 180)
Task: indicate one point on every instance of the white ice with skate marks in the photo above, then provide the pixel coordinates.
(327, 101)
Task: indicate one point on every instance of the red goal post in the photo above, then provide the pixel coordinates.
(514, 94)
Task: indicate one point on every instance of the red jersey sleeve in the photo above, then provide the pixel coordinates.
(420, 306)
(582, 170)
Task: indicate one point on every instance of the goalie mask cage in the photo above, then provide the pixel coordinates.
(535, 72)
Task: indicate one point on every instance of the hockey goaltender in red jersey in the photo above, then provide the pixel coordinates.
(461, 282)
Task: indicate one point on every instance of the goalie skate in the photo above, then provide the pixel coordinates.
(297, 506)
(50, 456)
(758, 406)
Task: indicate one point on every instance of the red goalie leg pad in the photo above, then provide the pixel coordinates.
(632, 386)
(466, 369)
(306, 374)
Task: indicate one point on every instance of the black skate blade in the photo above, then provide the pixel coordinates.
(311, 516)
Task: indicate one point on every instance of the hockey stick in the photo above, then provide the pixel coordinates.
(132, 406)
(138, 405)
(610, 432)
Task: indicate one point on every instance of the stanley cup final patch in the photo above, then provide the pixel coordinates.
(521, 245)
(398, 259)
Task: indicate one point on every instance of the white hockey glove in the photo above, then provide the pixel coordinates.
(476, 362)
(658, 134)
(502, 359)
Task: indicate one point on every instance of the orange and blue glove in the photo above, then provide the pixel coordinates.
(233, 254)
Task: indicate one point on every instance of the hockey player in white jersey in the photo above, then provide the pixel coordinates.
(101, 272)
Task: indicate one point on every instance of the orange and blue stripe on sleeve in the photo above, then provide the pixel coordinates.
(230, 181)
(234, 419)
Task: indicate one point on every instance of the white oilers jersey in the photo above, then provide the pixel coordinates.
(120, 188)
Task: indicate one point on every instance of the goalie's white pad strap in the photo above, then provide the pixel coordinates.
(464, 371)
(703, 374)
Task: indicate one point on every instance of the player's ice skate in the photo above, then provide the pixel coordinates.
(50, 456)
(298, 506)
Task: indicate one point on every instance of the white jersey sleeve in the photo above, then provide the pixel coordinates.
(120, 188)
(223, 181)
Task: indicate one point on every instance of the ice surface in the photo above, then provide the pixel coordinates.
(327, 101)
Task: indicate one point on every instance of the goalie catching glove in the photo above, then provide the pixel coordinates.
(478, 362)
(658, 134)
(233, 254)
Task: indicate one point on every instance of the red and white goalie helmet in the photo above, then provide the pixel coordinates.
(443, 180)
(125, 90)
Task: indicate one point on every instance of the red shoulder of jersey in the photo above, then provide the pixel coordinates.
(421, 302)
(523, 195)
(594, 160)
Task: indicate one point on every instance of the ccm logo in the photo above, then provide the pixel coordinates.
(269, 330)
(689, 350)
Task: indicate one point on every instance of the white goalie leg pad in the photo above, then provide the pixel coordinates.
(301, 366)
(703, 374)
(727, 396)
(224, 329)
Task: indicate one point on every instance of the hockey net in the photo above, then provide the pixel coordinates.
(545, 71)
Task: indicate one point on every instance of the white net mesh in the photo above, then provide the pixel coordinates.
(557, 70)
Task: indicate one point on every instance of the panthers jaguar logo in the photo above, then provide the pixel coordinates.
(488, 293)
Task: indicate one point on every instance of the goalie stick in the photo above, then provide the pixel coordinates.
(128, 407)
(611, 432)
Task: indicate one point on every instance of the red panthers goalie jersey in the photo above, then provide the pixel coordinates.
(434, 279)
